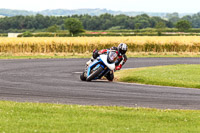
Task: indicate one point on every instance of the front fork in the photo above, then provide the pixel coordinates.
(86, 69)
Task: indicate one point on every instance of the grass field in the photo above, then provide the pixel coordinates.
(174, 75)
(35, 117)
(43, 56)
(88, 55)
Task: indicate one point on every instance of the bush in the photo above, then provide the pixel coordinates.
(27, 34)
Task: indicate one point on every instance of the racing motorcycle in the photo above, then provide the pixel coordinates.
(100, 66)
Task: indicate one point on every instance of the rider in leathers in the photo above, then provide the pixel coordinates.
(122, 58)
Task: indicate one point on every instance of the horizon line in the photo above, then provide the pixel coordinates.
(100, 9)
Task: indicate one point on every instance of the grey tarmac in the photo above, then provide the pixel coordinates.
(57, 81)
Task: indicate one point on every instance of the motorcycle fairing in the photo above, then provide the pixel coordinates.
(93, 64)
(101, 61)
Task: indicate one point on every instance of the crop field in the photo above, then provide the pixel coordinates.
(87, 44)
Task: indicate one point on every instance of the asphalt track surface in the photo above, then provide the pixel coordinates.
(57, 81)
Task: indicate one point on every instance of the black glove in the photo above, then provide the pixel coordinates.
(95, 54)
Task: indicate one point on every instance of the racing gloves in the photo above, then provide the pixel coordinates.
(118, 67)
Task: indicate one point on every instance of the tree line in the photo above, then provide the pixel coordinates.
(194, 20)
(102, 22)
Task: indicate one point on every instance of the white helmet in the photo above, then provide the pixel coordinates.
(122, 48)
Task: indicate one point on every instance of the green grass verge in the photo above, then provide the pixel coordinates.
(159, 56)
(88, 55)
(173, 75)
(35, 117)
(44, 57)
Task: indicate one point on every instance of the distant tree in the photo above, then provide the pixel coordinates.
(187, 17)
(40, 22)
(196, 20)
(160, 26)
(143, 20)
(174, 20)
(129, 24)
(106, 16)
(74, 26)
(173, 17)
(137, 26)
(107, 24)
(52, 28)
(120, 20)
(106, 21)
(155, 21)
(183, 25)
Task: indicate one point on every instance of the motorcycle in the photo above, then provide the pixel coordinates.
(100, 67)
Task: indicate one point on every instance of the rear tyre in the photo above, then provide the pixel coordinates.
(110, 76)
(94, 74)
(82, 77)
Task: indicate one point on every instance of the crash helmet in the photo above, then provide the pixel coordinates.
(122, 48)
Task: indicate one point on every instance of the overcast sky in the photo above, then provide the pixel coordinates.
(181, 6)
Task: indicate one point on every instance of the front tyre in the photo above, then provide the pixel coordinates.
(94, 74)
(82, 76)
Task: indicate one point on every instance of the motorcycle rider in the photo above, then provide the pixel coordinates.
(122, 58)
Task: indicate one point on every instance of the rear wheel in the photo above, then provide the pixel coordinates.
(94, 74)
(110, 76)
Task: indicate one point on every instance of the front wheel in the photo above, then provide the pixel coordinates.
(82, 76)
(94, 74)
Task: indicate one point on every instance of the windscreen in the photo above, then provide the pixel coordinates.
(112, 57)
